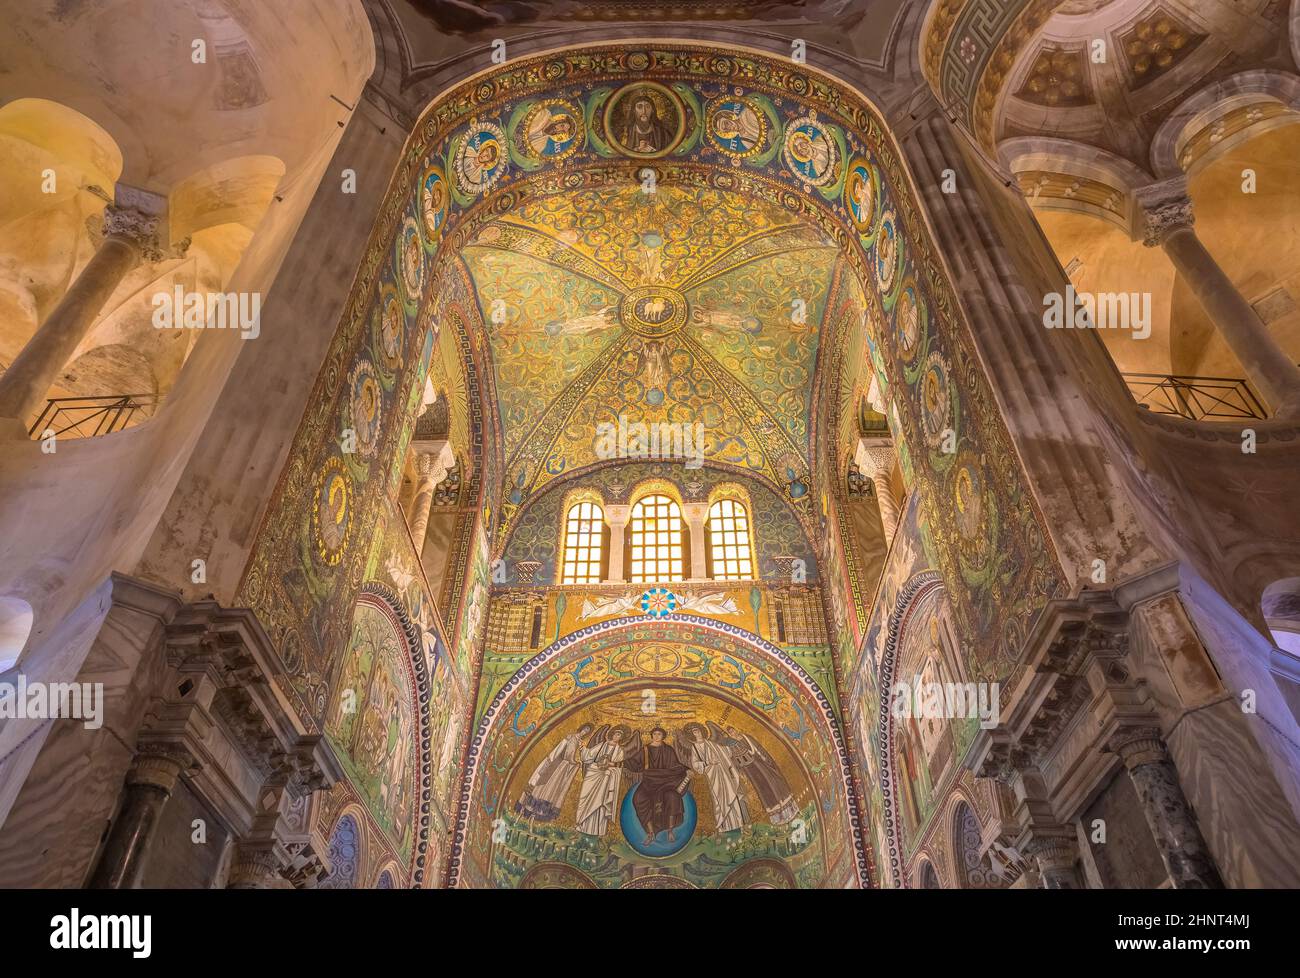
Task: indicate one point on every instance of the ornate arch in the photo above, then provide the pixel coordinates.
(502, 717)
(908, 600)
(383, 600)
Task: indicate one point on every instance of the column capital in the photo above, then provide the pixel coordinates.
(1138, 745)
(139, 218)
(875, 456)
(695, 512)
(159, 764)
(1162, 209)
(617, 514)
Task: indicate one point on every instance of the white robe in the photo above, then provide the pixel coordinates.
(551, 779)
(601, 777)
(714, 762)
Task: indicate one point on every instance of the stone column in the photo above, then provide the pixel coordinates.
(431, 468)
(130, 234)
(696, 514)
(875, 460)
(149, 783)
(616, 517)
(1173, 825)
(1167, 217)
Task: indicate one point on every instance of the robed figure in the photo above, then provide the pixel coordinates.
(550, 780)
(661, 778)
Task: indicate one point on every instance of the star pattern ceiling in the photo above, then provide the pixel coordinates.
(685, 305)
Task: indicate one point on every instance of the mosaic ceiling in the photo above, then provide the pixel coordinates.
(681, 305)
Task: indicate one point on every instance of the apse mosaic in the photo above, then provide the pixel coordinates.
(667, 748)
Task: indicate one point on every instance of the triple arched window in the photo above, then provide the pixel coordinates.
(660, 540)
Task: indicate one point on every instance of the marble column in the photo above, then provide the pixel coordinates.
(1173, 824)
(696, 514)
(149, 783)
(616, 517)
(875, 459)
(130, 234)
(431, 468)
(1168, 223)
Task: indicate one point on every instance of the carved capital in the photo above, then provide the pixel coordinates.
(617, 516)
(875, 458)
(1163, 208)
(159, 765)
(1138, 745)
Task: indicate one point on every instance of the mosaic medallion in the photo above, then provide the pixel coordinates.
(331, 514)
(810, 152)
(645, 120)
(550, 131)
(366, 407)
(658, 602)
(909, 321)
(481, 158)
(433, 202)
(860, 193)
(410, 259)
(654, 311)
(936, 399)
(392, 322)
(736, 127)
(887, 252)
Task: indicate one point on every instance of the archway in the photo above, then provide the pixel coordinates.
(754, 739)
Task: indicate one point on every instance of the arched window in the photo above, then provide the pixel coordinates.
(656, 527)
(729, 541)
(583, 529)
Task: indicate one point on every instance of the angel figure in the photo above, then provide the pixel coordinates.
(602, 776)
(711, 756)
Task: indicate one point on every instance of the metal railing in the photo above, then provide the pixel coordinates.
(86, 417)
(1195, 398)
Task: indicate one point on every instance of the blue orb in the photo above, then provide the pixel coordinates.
(654, 397)
(659, 846)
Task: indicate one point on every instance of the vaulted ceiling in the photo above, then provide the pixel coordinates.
(681, 305)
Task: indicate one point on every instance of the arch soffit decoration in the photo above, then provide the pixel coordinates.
(498, 711)
(909, 599)
(1210, 104)
(383, 599)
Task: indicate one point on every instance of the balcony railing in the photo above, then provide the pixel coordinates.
(85, 417)
(1195, 398)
